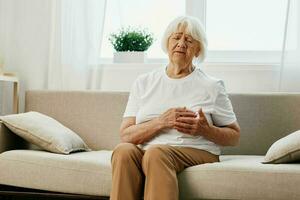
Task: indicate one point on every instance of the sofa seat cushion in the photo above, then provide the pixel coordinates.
(240, 177)
(79, 173)
(235, 177)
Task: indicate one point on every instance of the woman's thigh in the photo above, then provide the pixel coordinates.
(183, 157)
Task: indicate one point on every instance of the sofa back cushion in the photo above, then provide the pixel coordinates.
(96, 116)
(264, 118)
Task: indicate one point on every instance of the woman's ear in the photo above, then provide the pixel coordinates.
(198, 51)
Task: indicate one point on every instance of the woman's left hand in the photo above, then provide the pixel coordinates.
(193, 126)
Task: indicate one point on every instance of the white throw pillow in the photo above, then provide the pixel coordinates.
(285, 150)
(45, 132)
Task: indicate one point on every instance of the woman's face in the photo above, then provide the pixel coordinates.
(182, 48)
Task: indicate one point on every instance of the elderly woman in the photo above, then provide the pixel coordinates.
(176, 117)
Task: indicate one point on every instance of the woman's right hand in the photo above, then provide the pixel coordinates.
(168, 118)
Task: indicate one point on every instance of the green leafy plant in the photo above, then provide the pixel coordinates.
(131, 39)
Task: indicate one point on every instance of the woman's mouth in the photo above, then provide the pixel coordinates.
(179, 52)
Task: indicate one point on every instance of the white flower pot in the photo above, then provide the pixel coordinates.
(129, 57)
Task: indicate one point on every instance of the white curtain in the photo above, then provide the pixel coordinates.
(50, 44)
(290, 66)
(77, 28)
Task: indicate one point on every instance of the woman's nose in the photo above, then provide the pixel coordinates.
(181, 43)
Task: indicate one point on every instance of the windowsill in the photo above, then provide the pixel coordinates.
(209, 66)
(221, 58)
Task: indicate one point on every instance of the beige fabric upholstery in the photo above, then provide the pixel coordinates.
(285, 150)
(90, 173)
(240, 177)
(264, 118)
(9, 141)
(79, 173)
(96, 116)
(45, 132)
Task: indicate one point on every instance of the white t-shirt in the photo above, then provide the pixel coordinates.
(154, 93)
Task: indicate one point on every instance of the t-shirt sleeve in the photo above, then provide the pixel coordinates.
(133, 101)
(223, 112)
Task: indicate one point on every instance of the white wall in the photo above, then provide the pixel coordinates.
(24, 34)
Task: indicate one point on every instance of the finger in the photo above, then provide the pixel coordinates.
(190, 115)
(187, 131)
(187, 114)
(180, 109)
(201, 113)
(183, 125)
(188, 120)
(183, 130)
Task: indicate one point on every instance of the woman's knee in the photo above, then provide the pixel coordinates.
(124, 151)
(156, 154)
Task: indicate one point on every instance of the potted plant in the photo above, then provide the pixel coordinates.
(130, 44)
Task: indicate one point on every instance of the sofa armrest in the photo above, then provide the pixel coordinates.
(9, 140)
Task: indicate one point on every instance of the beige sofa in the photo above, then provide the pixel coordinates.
(96, 116)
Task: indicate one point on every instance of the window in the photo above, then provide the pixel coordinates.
(237, 31)
(248, 25)
(154, 15)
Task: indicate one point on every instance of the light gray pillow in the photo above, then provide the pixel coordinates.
(285, 150)
(45, 132)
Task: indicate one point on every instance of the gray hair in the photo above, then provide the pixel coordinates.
(193, 27)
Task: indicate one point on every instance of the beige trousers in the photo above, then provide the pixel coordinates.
(152, 173)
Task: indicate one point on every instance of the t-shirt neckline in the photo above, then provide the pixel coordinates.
(178, 80)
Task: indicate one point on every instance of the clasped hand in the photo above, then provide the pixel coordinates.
(185, 121)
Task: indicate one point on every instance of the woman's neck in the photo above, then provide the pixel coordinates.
(177, 71)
